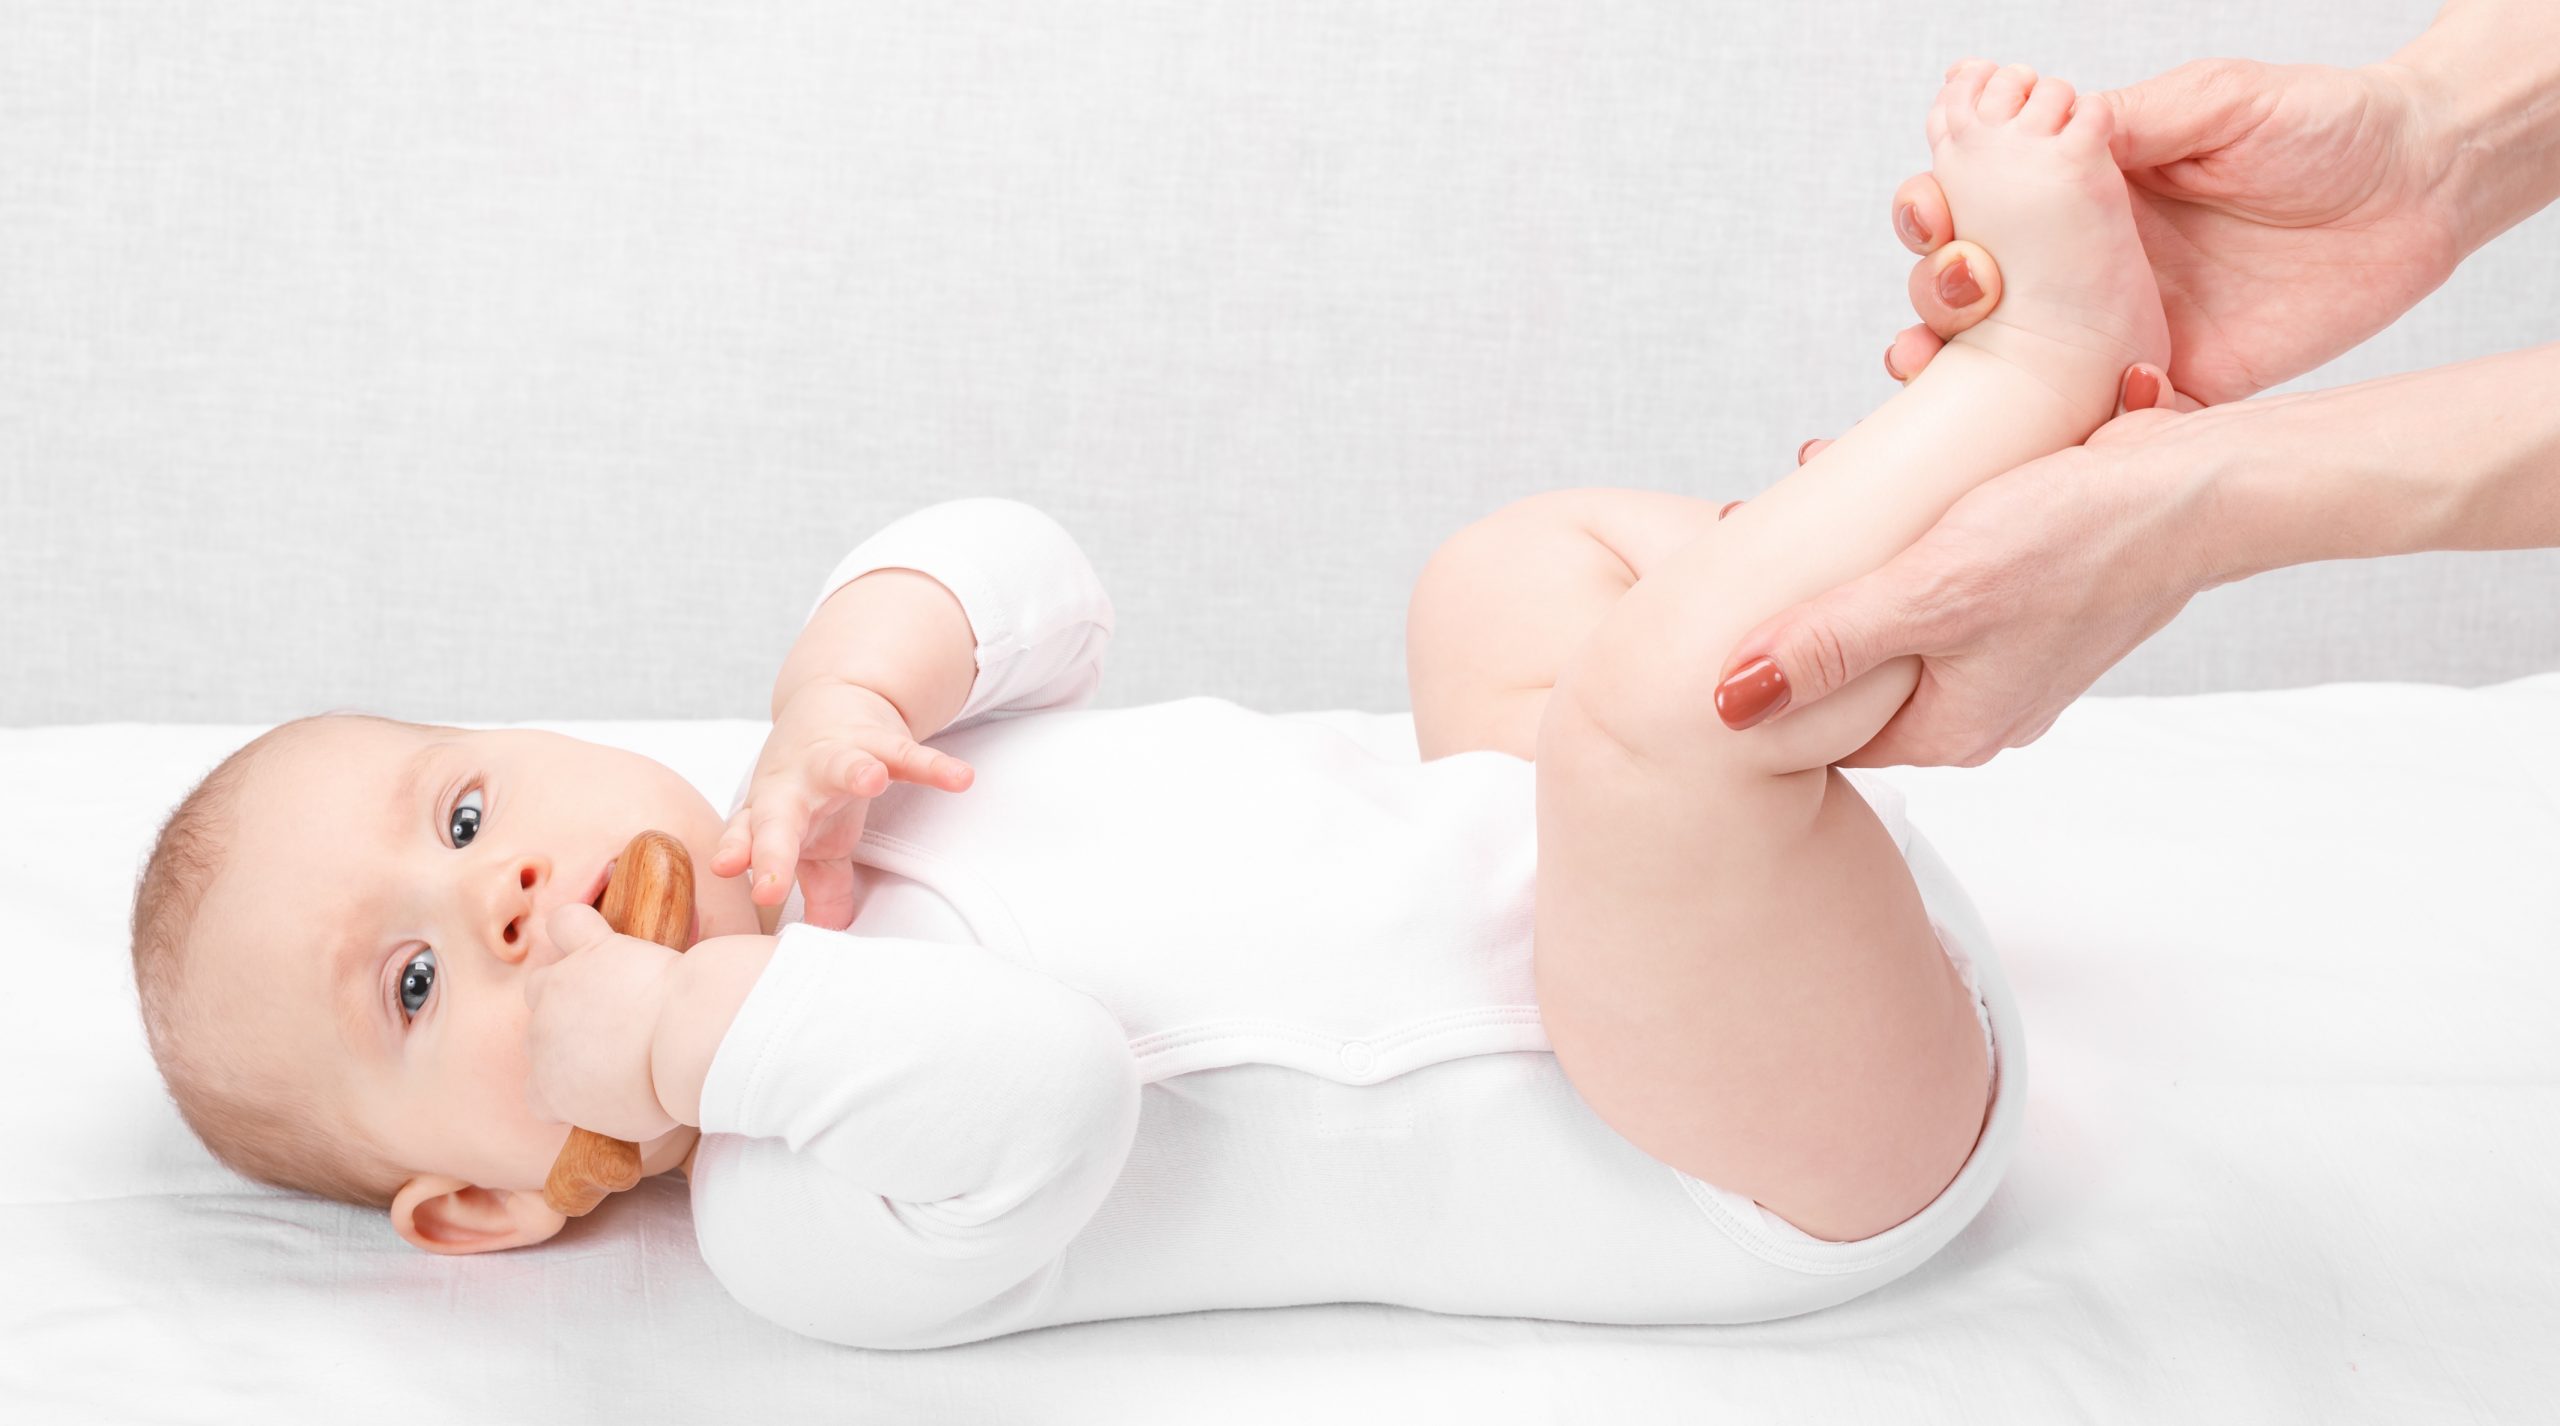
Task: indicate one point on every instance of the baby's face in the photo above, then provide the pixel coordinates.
(389, 892)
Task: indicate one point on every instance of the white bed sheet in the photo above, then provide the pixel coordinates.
(2290, 969)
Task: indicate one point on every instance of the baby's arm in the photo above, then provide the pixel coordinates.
(982, 606)
(921, 1128)
(900, 633)
(704, 992)
(956, 614)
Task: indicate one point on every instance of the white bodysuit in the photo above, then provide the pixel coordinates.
(1189, 1006)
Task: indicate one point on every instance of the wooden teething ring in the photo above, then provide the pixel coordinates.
(650, 896)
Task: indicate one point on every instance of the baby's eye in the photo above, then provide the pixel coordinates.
(419, 975)
(455, 823)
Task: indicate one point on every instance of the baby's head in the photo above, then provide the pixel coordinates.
(330, 940)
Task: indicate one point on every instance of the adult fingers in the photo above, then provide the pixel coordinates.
(1954, 287)
(2146, 388)
(1920, 216)
(1919, 734)
(1910, 350)
(1801, 655)
(2196, 108)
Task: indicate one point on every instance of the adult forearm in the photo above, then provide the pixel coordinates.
(2487, 78)
(2461, 457)
(899, 633)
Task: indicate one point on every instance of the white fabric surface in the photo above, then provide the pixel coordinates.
(2286, 960)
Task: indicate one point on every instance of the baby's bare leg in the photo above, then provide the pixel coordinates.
(1734, 965)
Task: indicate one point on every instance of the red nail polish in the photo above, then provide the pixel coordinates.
(1755, 690)
(2141, 390)
(1956, 286)
(1906, 221)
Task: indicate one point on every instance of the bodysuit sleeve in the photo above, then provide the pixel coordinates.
(922, 1127)
(1040, 614)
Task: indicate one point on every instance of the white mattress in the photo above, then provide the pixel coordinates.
(2290, 969)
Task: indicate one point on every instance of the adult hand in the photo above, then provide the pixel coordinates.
(2031, 586)
(2289, 212)
(836, 746)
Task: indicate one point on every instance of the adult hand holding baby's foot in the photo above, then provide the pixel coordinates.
(836, 746)
(2284, 213)
(2024, 592)
(2288, 211)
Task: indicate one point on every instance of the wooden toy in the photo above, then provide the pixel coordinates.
(649, 895)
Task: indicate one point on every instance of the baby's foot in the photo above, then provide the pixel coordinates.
(2027, 175)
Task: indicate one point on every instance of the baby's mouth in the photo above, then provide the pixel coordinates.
(693, 929)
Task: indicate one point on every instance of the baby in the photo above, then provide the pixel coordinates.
(1600, 1012)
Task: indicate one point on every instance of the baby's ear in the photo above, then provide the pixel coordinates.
(443, 1214)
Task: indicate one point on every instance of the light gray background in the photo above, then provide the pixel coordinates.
(485, 362)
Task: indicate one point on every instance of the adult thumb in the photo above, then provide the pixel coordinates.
(1801, 655)
(2196, 108)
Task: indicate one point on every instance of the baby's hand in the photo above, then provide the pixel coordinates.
(593, 1026)
(813, 785)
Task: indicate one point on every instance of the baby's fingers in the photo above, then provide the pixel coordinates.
(826, 893)
(910, 761)
(851, 770)
(731, 857)
(777, 847)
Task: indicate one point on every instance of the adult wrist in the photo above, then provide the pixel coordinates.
(2212, 512)
(2455, 457)
(2482, 126)
(2272, 481)
(2330, 474)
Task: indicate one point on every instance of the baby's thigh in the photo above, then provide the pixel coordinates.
(1740, 977)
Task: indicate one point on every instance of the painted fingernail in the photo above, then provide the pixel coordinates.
(1756, 690)
(1906, 221)
(2141, 389)
(1956, 286)
(1728, 509)
(1888, 370)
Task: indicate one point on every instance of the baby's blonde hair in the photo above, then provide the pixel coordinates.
(256, 1117)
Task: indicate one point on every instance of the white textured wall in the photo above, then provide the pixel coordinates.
(482, 361)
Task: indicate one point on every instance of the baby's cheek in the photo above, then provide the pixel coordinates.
(499, 1072)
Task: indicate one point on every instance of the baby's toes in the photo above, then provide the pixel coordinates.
(2048, 106)
(2093, 123)
(1956, 100)
(2005, 92)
